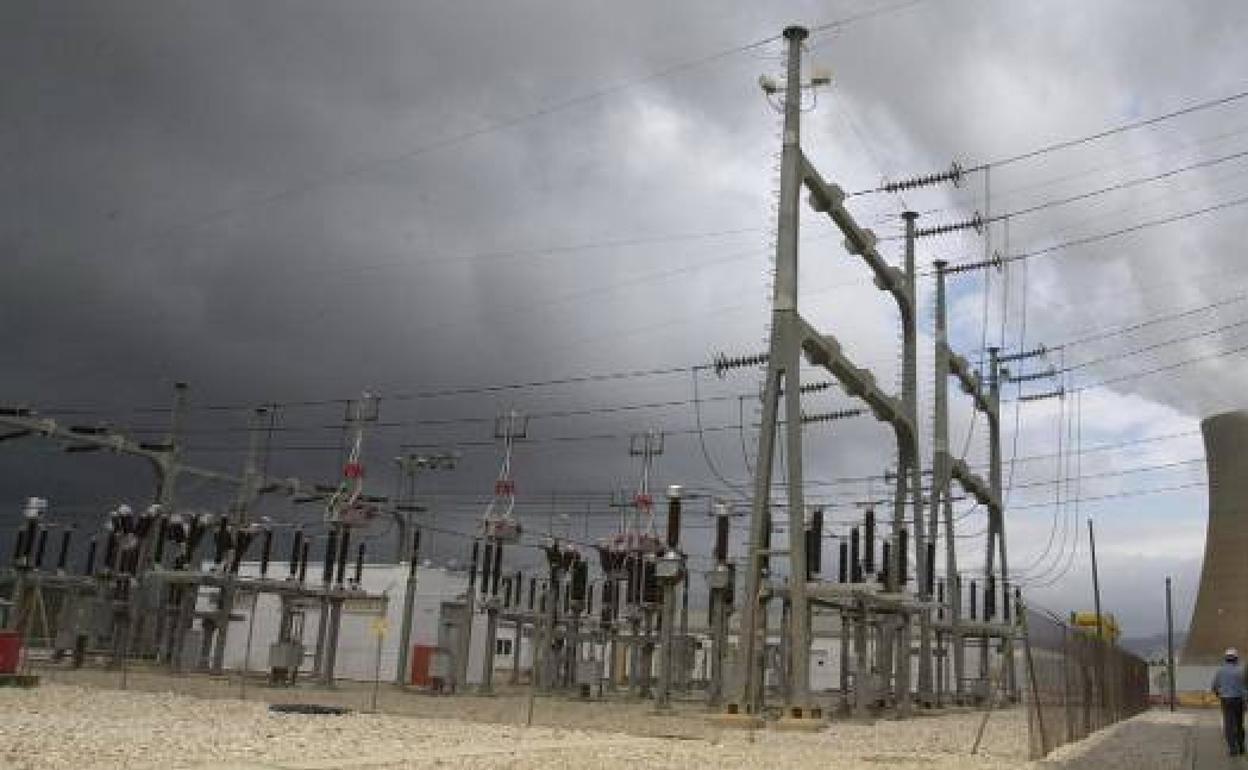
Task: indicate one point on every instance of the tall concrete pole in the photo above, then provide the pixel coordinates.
(995, 480)
(1096, 583)
(783, 362)
(994, 517)
(243, 502)
(786, 255)
(409, 602)
(910, 400)
(941, 481)
(1169, 648)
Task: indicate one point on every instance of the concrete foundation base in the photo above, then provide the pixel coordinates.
(738, 721)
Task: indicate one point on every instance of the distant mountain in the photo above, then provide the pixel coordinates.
(1153, 647)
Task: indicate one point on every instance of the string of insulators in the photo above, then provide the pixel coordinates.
(816, 387)
(954, 175)
(976, 223)
(1050, 372)
(723, 363)
(840, 414)
(983, 264)
(1021, 356)
(1059, 393)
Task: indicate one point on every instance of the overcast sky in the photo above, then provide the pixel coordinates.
(282, 202)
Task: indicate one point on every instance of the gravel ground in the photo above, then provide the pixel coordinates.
(65, 726)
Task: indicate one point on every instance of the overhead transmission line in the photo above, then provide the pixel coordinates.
(1086, 138)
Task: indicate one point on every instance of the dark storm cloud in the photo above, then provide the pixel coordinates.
(259, 198)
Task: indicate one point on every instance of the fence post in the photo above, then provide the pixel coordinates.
(1035, 688)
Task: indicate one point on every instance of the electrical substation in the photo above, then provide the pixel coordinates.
(889, 625)
(784, 599)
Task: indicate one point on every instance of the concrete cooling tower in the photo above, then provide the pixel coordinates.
(1221, 616)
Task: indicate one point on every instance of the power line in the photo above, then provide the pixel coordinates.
(1124, 185)
(1155, 346)
(1119, 129)
(1107, 235)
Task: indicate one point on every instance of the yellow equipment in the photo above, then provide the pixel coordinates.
(1086, 621)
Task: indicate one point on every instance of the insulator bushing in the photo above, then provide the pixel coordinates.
(62, 556)
(42, 544)
(974, 601)
(110, 550)
(886, 561)
(580, 580)
(331, 553)
(472, 565)
(414, 561)
(814, 544)
(19, 547)
(673, 518)
(498, 568)
(990, 598)
(652, 593)
(903, 556)
(296, 546)
(842, 567)
(487, 565)
(855, 559)
(722, 525)
(266, 551)
(359, 565)
(222, 540)
(344, 550)
(89, 570)
(868, 545)
(162, 534)
(303, 560)
(929, 576)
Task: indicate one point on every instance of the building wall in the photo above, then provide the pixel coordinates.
(357, 643)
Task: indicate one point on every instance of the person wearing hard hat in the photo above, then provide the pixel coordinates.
(1228, 685)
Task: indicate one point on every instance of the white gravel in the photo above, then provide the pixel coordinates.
(64, 726)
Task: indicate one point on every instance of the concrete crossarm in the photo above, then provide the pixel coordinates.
(50, 428)
(824, 350)
(26, 425)
(829, 199)
(970, 381)
(974, 485)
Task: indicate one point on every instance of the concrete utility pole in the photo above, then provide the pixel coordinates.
(942, 501)
(783, 364)
(409, 537)
(1096, 583)
(1169, 648)
(914, 464)
(248, 490)
(791, 338)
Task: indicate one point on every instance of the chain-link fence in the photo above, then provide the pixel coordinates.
(1076, 683)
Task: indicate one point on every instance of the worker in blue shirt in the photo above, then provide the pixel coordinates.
(1228, 685)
